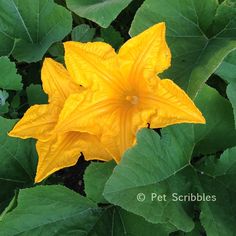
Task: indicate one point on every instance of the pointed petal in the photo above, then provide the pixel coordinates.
(146, 54)
(56, 153)
(37, 122)
(85, 112)
(91, 64)
(121, 133)
(168, 104)
(64, 151)
(57, 82)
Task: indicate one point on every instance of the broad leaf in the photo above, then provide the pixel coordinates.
(102, 12)
(56, 210)
(218, 133)
(18, 161)
(147, 168)
(95, 177)
(196, 53)
(9, 79)
(32, 25)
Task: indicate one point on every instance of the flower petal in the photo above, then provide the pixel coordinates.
(120, 133)
(37, 122)
(57, 82)
(146, 54)
(63, 151)
(85, 112)
(168, 104)
(92, 64)
(107, 119)
(92, 148)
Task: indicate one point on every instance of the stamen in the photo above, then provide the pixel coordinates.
(132, 99)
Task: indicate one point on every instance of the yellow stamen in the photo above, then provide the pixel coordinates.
(132, 99)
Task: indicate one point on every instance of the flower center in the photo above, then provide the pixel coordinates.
(132, 99)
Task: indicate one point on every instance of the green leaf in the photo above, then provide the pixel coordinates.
(18, 161)
(36, 95)
(83, 33)
(147, 168)
(4, 108)
(111, 36)
(95, 177)
(227, 69)
(33, 25)
(218, 178)
(9, 79)
(116, 221)
(56, 210)
(218, 133)
(231, 93)
(102, 12)
(196, 53)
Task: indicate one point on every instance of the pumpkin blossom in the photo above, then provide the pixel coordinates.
(56, 151)
(123, 92)
(99, 102)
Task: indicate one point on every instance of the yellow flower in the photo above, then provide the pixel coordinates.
(56, 151)
(123, 91)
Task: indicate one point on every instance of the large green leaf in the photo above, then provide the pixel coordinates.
(139, 173)
(50, 210)
(102, 12)
(118, 222)
(18, 161)
(198, 33)
(218, 178)
(9, 79)
(218, 133)
(147, 168)
(33, 25)
(95, 177)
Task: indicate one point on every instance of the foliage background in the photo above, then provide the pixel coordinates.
(182, 158)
